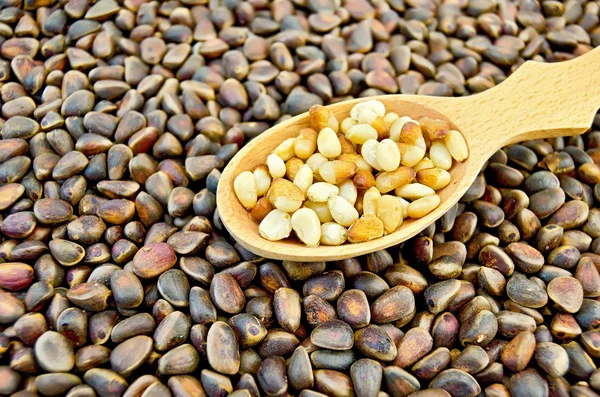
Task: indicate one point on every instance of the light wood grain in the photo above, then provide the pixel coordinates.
(537, 101)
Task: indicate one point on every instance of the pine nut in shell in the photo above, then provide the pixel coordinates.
(307, 226)
(388, 155)
(333, 234)
(423, 206)
(245, 189)
(328, 144)
(277, 225)
(276, 166)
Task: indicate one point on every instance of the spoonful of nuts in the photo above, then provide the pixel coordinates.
(362, 175)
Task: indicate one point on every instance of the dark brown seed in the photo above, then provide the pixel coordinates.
(89, 296)
(375, 343)
(248, 329)
(131, 354)
(317, 310)
(457, 383)
(127, 289)
(226, 293)
(566, 293)
(54, 353)
(153, 259)
(105, 382)
(528, 381)
(399, 382)
(414, 344)
(171, 332)
(333, 383)
(472, 359)
(333, 335)
(353, 308)
(277, 343)
(552, 358)
(272, 376)
(526, 292)
(299, 370)
(518, 351)
(432, 364)
(73, 323)
(92, 356)
(396, 304)
(525, 257)
(222, 349)
(15, 276)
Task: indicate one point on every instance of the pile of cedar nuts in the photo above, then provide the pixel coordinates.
(342, 157)
(118, 278)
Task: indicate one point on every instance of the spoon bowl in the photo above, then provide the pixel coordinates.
(525, 106)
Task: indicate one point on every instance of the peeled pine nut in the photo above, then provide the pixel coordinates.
(360, 133)
(320, 209)
(284, 195)
(306, 143)
(285, 150)
(318, 117)
(388, 155)
(337, 171)
(366, 228)
(434, 129)
(364, 180)
(366, 116)
(404, 205)
(347, 146)
(390, 180)
(396, 127)
(321, 192)
(357, 159)
(307, 226)
(276, 166)
(333, 234)
(262, 208)
(456, 145)
(371, 201)
(423, 206)
(262, 179)
(423, 164)
(316, 160)
(435, 178)
(346, 124)
(373, 105)
(245, 189)
(328, 144)
(383, 131)
(342, 211)
(304, 178)
(275, 226)
(390, 118)
(414, 191)
(369, 152)
(440, 155)
(348, 191)
(389, 211)
(410, 155)
(292, 166)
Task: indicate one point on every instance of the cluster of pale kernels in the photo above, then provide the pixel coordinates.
(322, 184)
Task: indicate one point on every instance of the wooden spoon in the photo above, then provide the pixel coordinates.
(539, 100)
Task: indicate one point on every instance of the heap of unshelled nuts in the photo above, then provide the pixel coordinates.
(338, 175)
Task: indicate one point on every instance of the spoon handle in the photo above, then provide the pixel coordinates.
(539, 100)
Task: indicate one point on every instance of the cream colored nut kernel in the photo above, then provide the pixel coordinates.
(369, 152)
(333, 123)
(346, 124)
(316, 160)
(396, 127)
(456, 145)
(410, 155)
(306, 143)
(357, 159)
(262, 178)
(423, 206)
(389, 211)
(292, 166)
(348, 191)
(434, 129)
(366, 116)
(342, 211)
(307, 226)
(328, 143)
(390, 180)
(360, 133)
(421, 143)
(320, 209)
(440, 155)
(321, 192)
(404, 205)
(276, 166)
(333, 234)
(388, 155)
(347, 146)
(414, 191)
(423, 164)
(435, 178)
(304, 178)
(371, 201)
(337, 171)
(318, 117)
(245, 189)
(383, 132)
(262, 208)
(277, 225)
(374, 105)
(284, 195)
(390, 118)
(366, 228)
(286, 150)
